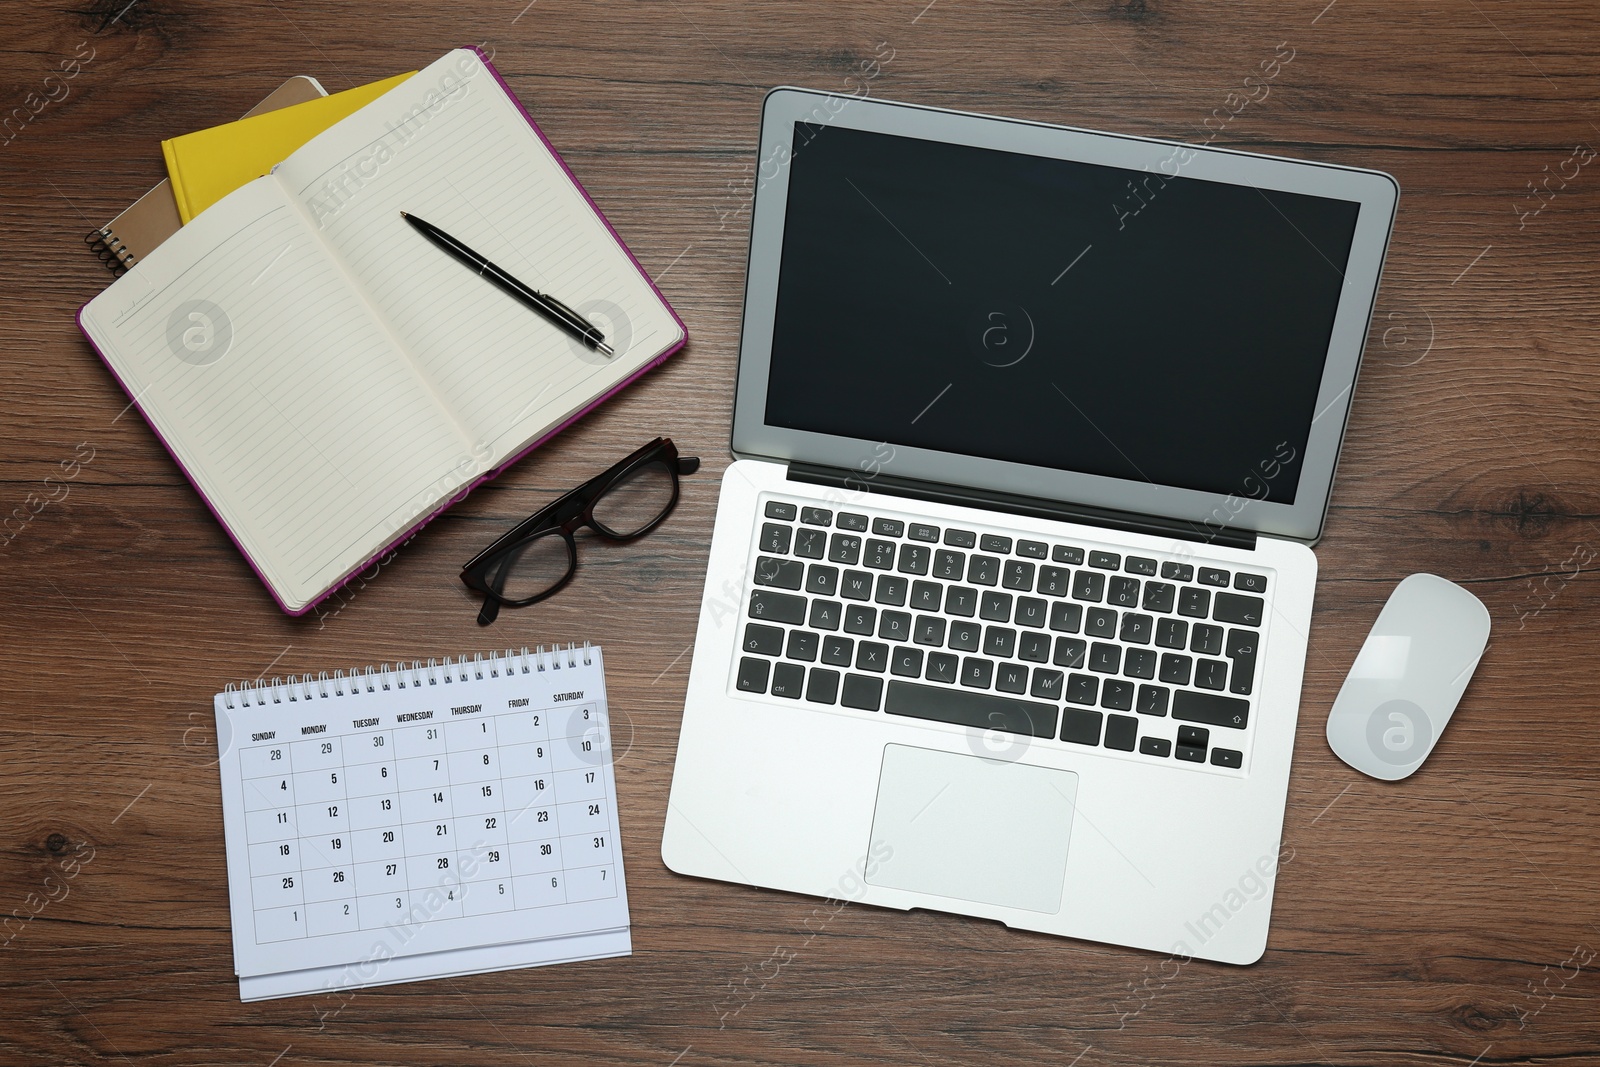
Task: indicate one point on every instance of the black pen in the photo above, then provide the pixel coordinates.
(545, 304)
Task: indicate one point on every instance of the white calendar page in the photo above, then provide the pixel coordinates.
(449, 808)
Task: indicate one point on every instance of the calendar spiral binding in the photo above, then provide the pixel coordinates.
(322, 686)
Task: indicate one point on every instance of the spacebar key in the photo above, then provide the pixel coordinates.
(976, 710)
(1213, 709)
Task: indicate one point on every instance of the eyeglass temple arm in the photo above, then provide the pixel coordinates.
(688, 464)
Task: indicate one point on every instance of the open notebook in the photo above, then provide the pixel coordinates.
(328, 379)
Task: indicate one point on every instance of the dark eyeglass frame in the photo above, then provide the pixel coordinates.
(485, 573)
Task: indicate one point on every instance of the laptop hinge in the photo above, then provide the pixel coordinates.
(1021, 505)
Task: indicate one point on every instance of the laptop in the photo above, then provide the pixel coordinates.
(1007, 600)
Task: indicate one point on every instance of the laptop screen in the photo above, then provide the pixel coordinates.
(1053, 313)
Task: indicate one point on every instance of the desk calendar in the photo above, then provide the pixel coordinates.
(420, 821)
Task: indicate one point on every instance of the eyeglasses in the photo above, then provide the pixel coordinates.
(539, 556)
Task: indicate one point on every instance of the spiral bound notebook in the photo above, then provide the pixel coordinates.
(327, 379)
(420, 821)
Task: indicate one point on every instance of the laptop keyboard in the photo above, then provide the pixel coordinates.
(1132, 654)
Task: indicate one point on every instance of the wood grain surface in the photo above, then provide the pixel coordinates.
(1444, 920)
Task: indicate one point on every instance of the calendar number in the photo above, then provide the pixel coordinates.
(334, 777)
(441, 830)
(277, 753)
(490, 823)
(283, 850)
(337, 842)
(488, 790)
(486, 759)
(327, 747)
(494, 857)
(283, 816)
(347, 907)
(538, 751)
(386, 804)
(536, 720)
(390, 868)
(444, 863)
(388, 837)
(586, 745)
(288, 883)
(383, 772)
(333, 811)
(502, 888)
(338, 876)
(544, 850)
(588, 776)
(377, 742)
(433, 735)
(599, 842)
(438, 798)
(543, 816)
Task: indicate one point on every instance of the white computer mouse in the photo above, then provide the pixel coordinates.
(1408, 677)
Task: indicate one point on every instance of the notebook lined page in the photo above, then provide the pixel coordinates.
(473, 167)
(310, 435)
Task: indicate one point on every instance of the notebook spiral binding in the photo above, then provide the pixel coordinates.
(109, 249)
(322, 686)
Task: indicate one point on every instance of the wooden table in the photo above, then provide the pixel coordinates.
(1444, 920)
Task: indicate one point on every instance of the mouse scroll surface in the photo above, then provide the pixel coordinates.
(1408, 677)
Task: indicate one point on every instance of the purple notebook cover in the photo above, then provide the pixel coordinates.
(460, 494)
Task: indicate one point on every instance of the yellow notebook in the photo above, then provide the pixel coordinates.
(207, 165)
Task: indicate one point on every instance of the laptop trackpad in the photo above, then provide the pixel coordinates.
(971, 828)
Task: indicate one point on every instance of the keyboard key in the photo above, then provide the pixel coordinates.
(803, 645)
(929, 630)
(1070, 651)
(1175, 669)
(1213, 576)
(838, 651)
(964, 636)
(1100, 622)
(1035, 648)
(894, 626)
(753, 674)
(926, 596)
(766, 640)
(1136, 628)
(1190, 754)
(1194, 736)
(1159, 596)
(1080, 727)
(777, 509)
(914, 559)
(1106, 561)
(788, 679)
(1066, 618)
(862, 692)
(872, 656)
(1242, 645)
(844, 548)
(888, 527)
(1031, 611)
(816, 516)
(1139, 565)
(1054, 581)
(777, 607)
(1250, 583)
(1206, 639)
(983, 570)
(823, 581)
(1123, 592)
(1243, 610)
(779, 573)
(906, 661)
(860, 619)
(994, 543)
(857, 585)
(1046, 684)
(1139, 663)
(960, 600)
(1172, 633)
(1152, 700)
(1018, 575)
(921, 532)
(1195, 603)
(1177, 572)
(811, 544)
(981, 711)
(995, 607)
(1087, 585)
(1116, 695)
(977, 673)
(1105, 658)
(1011, 678)
(1211, 674)
(1155, 746)
(1211, 709)
(1067, 554)
(891, 590)
(1227, 757)
(960, 538)
(879, 554)
(822, 687)
(1033, 549)
(1082, 688)
(825, 614)
(775, 538)
(1121, 732)
(948, 564)
(942, 667)
(999, 641)
(851, 521)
